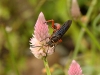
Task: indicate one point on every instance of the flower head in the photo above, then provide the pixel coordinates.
(75, 10)
(40, 38)
(75, 69)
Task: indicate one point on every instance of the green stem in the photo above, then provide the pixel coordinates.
(69, 3)
(12, 57)
(82, 30)
(41, 2)
(46, 66)
(96, 20)
(91, 35)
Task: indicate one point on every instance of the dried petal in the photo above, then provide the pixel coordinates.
(75, 10)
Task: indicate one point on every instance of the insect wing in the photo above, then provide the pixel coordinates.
(63, 29)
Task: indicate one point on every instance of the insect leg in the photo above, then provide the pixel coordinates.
(52, 23)
(35, 46)
(44, 39)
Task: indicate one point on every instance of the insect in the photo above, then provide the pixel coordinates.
(58, 33)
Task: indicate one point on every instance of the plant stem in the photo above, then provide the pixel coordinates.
(12, 56)
(96, 20)
(40, 3)
(91, 35)
(46, 66)
(82, 30)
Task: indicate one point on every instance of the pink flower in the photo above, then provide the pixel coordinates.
(75, 69)
(40, 38)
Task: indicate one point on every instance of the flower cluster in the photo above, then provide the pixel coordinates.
(75, 69)
(40, 38)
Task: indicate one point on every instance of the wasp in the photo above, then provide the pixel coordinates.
(58, 32)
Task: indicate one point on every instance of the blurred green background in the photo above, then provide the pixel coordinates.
(81, 42)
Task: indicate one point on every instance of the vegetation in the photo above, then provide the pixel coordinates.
(81, 42)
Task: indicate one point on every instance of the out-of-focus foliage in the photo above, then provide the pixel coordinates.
(17, 20)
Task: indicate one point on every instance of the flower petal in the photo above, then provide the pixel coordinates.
(75, 69)
(41, 28)
(40, 38)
